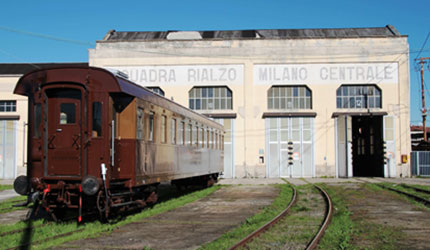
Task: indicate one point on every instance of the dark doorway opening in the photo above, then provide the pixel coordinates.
(367, 146)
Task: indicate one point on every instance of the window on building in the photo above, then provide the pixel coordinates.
(7, 106)
(157, 90)
(210, 98)
(289, 97)
(358, 96)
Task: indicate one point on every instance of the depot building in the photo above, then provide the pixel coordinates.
(294, 103)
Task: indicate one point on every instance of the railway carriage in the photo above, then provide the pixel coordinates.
(96, 139)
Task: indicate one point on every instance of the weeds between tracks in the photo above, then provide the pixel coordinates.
(38, 233)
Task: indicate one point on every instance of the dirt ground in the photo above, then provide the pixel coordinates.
(190, 226)
(13, 217)
(388, 217)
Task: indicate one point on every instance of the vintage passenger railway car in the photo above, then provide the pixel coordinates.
(96, 139)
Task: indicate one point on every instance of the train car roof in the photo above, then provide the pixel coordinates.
(93, 78)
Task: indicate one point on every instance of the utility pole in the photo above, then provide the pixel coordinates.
(422, 60)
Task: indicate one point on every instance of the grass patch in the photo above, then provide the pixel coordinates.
(355, 231)
(251, 224)
(298, 227)
(408, 190)
(341, 228)
(91, 229)
(5, 187)
(6, 205)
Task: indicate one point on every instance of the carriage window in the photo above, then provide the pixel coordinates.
(202, 138)
(163, 128)
(208, 141)
(195, 135)
(182, 133)
(67, 113)
(151, 127)
(37, 119)
(188, 134)
(97, 119)
(139, 124)
(173, 132)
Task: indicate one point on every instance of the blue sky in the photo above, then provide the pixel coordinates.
(63, 31)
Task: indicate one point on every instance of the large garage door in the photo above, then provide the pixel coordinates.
(289, 143)
(228, 147)
(7, 149)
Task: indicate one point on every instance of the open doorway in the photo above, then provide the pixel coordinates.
(367, 146)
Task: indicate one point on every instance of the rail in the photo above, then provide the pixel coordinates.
(267, 225)
(314, 243)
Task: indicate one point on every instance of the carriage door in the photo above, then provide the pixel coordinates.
(63, 141)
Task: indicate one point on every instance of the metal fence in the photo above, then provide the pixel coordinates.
(420, 161)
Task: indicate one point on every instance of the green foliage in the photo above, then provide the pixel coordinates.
(7, 205)
(5, 187)
(251, 224)
(92, 229)
(341, 228)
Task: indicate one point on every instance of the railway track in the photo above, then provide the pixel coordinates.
(313, 243)
(413, 196)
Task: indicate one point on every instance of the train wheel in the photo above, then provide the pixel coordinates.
(103, 205)
(210, 181)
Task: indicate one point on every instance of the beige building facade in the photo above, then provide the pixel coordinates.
(13, 121)
(294, 103)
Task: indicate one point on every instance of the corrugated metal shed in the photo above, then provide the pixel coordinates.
(22, 68)
(387, 31)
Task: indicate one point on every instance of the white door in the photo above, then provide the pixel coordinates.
(289, 146)
(343, 146)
